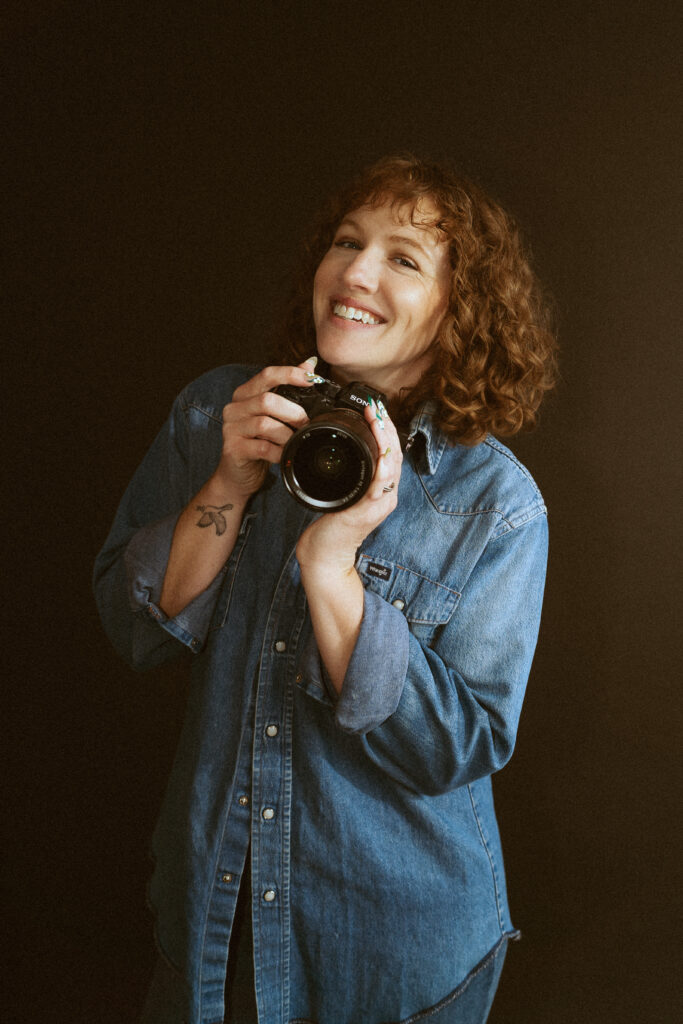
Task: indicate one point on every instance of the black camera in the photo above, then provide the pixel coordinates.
(328, 464)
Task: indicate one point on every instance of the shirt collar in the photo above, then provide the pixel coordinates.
(435, 440)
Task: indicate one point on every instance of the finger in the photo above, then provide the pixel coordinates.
(264, 427)
(272, 376)
(385, 478)
(265, 403)
(309, 364)
(256, 449)
(385, 433)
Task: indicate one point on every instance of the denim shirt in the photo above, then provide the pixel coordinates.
(378, 880)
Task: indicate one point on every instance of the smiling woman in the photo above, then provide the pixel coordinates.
(380, 294)
(493, 354)
(328, 851)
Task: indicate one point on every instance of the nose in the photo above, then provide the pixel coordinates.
(362, 272)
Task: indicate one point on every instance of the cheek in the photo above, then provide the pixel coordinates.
(428, 311)
(423, 316)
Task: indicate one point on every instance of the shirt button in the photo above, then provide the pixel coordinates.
(299, 677)
(196, 644)
(227, 877)
(243, 801)
(280, 646)
(398, 603)
(271, 730)
(268, 813)
(269, 895)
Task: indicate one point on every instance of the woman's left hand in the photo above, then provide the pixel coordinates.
(331, 542)
(327, 554)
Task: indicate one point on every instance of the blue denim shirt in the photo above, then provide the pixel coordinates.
(378, 878)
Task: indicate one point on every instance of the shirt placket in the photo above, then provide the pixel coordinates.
(271, 789)
(227, 878)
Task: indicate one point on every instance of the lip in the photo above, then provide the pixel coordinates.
(347, 300)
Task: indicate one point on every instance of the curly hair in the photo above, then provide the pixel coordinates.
(495, 353)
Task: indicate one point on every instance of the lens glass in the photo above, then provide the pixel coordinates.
(327, 465)
(330, 461)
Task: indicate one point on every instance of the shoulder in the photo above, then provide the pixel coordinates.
(486, 479)
(207, 395)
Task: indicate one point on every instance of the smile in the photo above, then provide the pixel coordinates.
(353, 313)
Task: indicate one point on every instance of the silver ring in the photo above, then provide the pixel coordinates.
(390, 487)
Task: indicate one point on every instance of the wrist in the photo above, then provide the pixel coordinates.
(219, 491)
(316, 556)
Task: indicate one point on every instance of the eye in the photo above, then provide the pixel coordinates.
(404, 261)
(346, 243)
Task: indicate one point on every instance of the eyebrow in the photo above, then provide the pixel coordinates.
(397, 239)
(407, 240)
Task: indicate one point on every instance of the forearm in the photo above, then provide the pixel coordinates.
(327, 556)
(335, 600)
(202, 542)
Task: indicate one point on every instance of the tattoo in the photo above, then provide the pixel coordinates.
(214, 514)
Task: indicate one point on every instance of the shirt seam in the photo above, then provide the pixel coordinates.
(482, 836)
(519, 518)
(189, 404)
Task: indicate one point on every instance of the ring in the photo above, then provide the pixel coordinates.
(390, 487)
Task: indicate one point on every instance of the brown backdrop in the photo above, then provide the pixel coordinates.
(167, 158)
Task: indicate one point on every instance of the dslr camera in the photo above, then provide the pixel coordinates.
(328, 464)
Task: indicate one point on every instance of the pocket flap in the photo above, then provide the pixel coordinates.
(420, 598)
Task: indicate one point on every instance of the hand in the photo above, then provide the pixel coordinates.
(256, 426)
(330, 543)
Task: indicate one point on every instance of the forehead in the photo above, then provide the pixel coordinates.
(420, 217)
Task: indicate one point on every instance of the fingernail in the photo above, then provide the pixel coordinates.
(378, 411)
(313, 360)
(314, 378)
(386, 452)
(380, 406)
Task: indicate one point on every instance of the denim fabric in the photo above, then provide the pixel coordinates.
(378, 881)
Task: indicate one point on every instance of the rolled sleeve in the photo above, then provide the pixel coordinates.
(376, 673)
(145, 559)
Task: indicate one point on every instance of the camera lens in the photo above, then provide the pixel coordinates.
(325, 466)
(328, 464)
(330, 461)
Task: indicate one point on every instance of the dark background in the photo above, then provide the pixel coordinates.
(165, 161)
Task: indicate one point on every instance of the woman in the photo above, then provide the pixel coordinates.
(358, 675)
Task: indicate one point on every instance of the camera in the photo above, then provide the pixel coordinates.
(328, 464)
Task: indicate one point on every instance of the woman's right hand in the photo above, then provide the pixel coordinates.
(256, 426)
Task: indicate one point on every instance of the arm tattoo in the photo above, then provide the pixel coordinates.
(214, 514)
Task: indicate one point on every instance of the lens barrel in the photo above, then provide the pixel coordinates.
(329, 463)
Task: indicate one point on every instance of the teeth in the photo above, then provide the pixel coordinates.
(351, 313)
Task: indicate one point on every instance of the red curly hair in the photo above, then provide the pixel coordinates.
(495, 353)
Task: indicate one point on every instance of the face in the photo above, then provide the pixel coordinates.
(380, 294)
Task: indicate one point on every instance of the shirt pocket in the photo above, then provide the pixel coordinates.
(426, 603)
(229, 572)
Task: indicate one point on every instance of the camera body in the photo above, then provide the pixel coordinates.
(328, 464)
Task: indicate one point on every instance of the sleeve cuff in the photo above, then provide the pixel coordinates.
(146, 558)
(376, 673)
